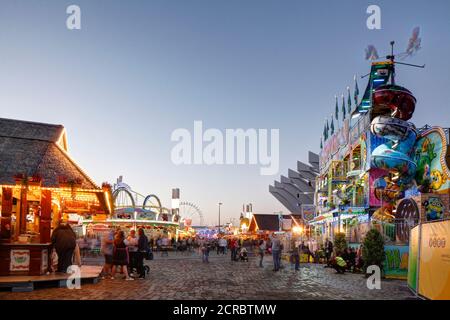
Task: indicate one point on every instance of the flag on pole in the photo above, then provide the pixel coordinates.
(349, 101)
(343, 107)
(356, 93)
(332, 125)
(336, 111)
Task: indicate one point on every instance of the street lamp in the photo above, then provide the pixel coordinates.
(220, 203)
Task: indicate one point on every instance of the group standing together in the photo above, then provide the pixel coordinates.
(126, 254)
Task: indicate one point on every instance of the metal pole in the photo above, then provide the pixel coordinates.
(220, 203)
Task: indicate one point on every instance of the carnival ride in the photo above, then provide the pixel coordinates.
(405, 150)
(133, 210)
(137, 210)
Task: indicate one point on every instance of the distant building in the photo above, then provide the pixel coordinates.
(297, 189)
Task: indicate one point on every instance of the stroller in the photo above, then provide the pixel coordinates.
(132, 268)
(243, 255)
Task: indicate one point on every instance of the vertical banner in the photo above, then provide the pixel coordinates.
(434, 271)
(413, 251)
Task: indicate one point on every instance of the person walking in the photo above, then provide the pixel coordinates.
(165, 244)
(107, 248)
(328, 251)
(295, 256)
(205, 252)
(261, 251)
(120, 255)
(158, 244)
(64, 241)
(132, 244)
(222, 245)
(233, 248)
(276, 253)
(143, 248)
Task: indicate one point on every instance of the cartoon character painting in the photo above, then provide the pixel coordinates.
(434, 208)
(432, 171)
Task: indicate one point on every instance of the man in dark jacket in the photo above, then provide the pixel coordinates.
(142, 251)
(64, 242)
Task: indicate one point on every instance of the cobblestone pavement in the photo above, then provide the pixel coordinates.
(189, 278)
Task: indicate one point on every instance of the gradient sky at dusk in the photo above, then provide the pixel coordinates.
(137, 70)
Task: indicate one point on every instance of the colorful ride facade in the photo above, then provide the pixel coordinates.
(377, 169)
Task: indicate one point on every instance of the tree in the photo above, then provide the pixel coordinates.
(340, 243)
(373, 249)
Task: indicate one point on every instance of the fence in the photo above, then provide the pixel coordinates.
(428, 267)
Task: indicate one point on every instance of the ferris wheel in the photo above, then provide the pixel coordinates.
(190, 214)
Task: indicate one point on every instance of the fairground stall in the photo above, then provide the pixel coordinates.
(127, 219)
(290, 229)
(131, 211)
(40, 186)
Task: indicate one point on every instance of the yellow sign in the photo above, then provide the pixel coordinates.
(434, 271)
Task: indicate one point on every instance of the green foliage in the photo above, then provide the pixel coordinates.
(340, 243)
(373, 249)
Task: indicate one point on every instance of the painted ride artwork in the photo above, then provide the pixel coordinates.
(404, 178)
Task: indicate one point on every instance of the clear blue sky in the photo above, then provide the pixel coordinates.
(140, 69)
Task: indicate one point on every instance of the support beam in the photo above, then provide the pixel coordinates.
(46, 216)
(7, 204)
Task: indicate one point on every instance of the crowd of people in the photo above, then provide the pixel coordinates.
(342, 260)
(126, 253)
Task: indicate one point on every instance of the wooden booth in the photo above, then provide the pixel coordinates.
(40, 187)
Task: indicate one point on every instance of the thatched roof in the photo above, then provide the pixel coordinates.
(32, 148)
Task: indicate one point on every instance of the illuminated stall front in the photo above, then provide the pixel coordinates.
(40, 187)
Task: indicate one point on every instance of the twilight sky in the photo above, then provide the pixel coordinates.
(137, 70)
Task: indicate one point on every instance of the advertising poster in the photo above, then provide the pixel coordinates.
(434, 272)
(20, 260)
(430, 154)
(396, 263)
(308, 212)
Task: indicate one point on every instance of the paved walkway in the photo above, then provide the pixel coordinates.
(189, 278)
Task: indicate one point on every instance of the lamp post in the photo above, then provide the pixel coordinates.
(220, 203)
